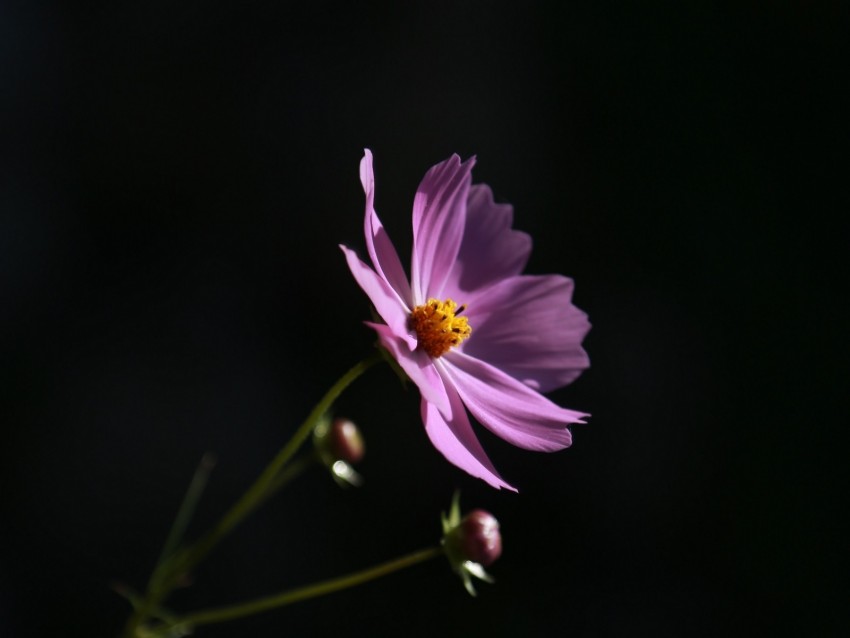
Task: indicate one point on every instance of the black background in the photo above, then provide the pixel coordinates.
(175, 181)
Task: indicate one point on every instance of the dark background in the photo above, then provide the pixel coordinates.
(175, 181)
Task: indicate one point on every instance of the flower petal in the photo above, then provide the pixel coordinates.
(490, 250)
(528, 327)
(456, 441)
(439, 216)
(507, 407)
(417, 365)
(385, 299)
(381, 250)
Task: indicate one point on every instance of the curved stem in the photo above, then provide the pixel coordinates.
(232, 612)
(254, 495)
(188, 506)
(167, 574)
(290, 473)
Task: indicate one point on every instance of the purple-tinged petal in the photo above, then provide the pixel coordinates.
(439, 216)
(456, 441)
(507, 407)
(386, 300)
(417, 365)
(381, 250)
(528, 327)
(491, 250)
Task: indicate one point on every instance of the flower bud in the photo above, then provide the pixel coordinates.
(476, 539)
(345, 442)
(340, 440)
(339, 444)
(471, 543)
(480, 540)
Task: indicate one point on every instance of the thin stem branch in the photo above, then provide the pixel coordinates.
(255, 494)
(188, 506)
(291, 472)
(178, 564)
(232, 612)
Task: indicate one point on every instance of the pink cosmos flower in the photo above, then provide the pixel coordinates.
(467, 328)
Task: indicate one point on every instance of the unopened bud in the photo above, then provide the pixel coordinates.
(345, 441)
(476, 538)
(480, 540)
(471, 543)
(339, 444)
(340, 440)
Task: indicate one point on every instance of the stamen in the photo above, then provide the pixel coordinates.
(438, 326)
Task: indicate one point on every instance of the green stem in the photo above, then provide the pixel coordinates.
(188, 506)
(290, 473)
(255, 494)
(232, 612)
(165, 578)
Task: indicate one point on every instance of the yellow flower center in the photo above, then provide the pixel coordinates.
(438, 326)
